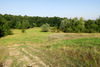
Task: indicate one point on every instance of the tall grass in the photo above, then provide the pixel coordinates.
(75, 53)
(83, 52)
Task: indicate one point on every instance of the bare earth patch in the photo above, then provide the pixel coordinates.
(16, 44)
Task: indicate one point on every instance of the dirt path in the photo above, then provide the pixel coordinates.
(19, 57)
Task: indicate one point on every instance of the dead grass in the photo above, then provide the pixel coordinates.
(71, 57)
(58, 37)
(3, 54)
(67, 36)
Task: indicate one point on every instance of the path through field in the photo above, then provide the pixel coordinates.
(20, 57)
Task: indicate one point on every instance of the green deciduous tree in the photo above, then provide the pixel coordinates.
(4, 29)
(18, 25)
(25, 24)
(65, 24)
(75, 19)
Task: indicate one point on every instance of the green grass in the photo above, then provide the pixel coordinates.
(31, 36)
(89, 42)
(54, 49)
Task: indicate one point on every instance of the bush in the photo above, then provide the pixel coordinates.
(45, 27)
(53, 29)
(23, 30)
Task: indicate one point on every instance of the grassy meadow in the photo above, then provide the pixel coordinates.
(46, 49)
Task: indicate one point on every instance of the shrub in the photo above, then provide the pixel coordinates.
(53, 29)
(45, 27)
(23, 30)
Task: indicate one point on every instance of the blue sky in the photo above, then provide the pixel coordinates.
(88, 9)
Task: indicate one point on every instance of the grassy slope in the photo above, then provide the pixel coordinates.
(31, 36)
(54, 49)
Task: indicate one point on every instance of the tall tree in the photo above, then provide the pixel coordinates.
(4, 29)
(18, 25)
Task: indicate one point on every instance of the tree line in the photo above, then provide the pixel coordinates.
(74, 25)
(80, 26)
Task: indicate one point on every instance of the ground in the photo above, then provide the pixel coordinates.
(45, 49)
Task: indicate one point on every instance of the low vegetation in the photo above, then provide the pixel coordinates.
(46, 49)
(45, 27)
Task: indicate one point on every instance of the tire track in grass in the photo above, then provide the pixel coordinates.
(19, 57)
(9, 60)
(36, 58)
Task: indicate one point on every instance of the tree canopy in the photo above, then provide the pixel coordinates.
(74, 25)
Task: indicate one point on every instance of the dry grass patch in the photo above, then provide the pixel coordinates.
(3, 53)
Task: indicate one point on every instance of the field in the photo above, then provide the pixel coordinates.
(45, 49)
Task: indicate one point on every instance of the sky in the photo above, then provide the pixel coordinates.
(88, 9)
